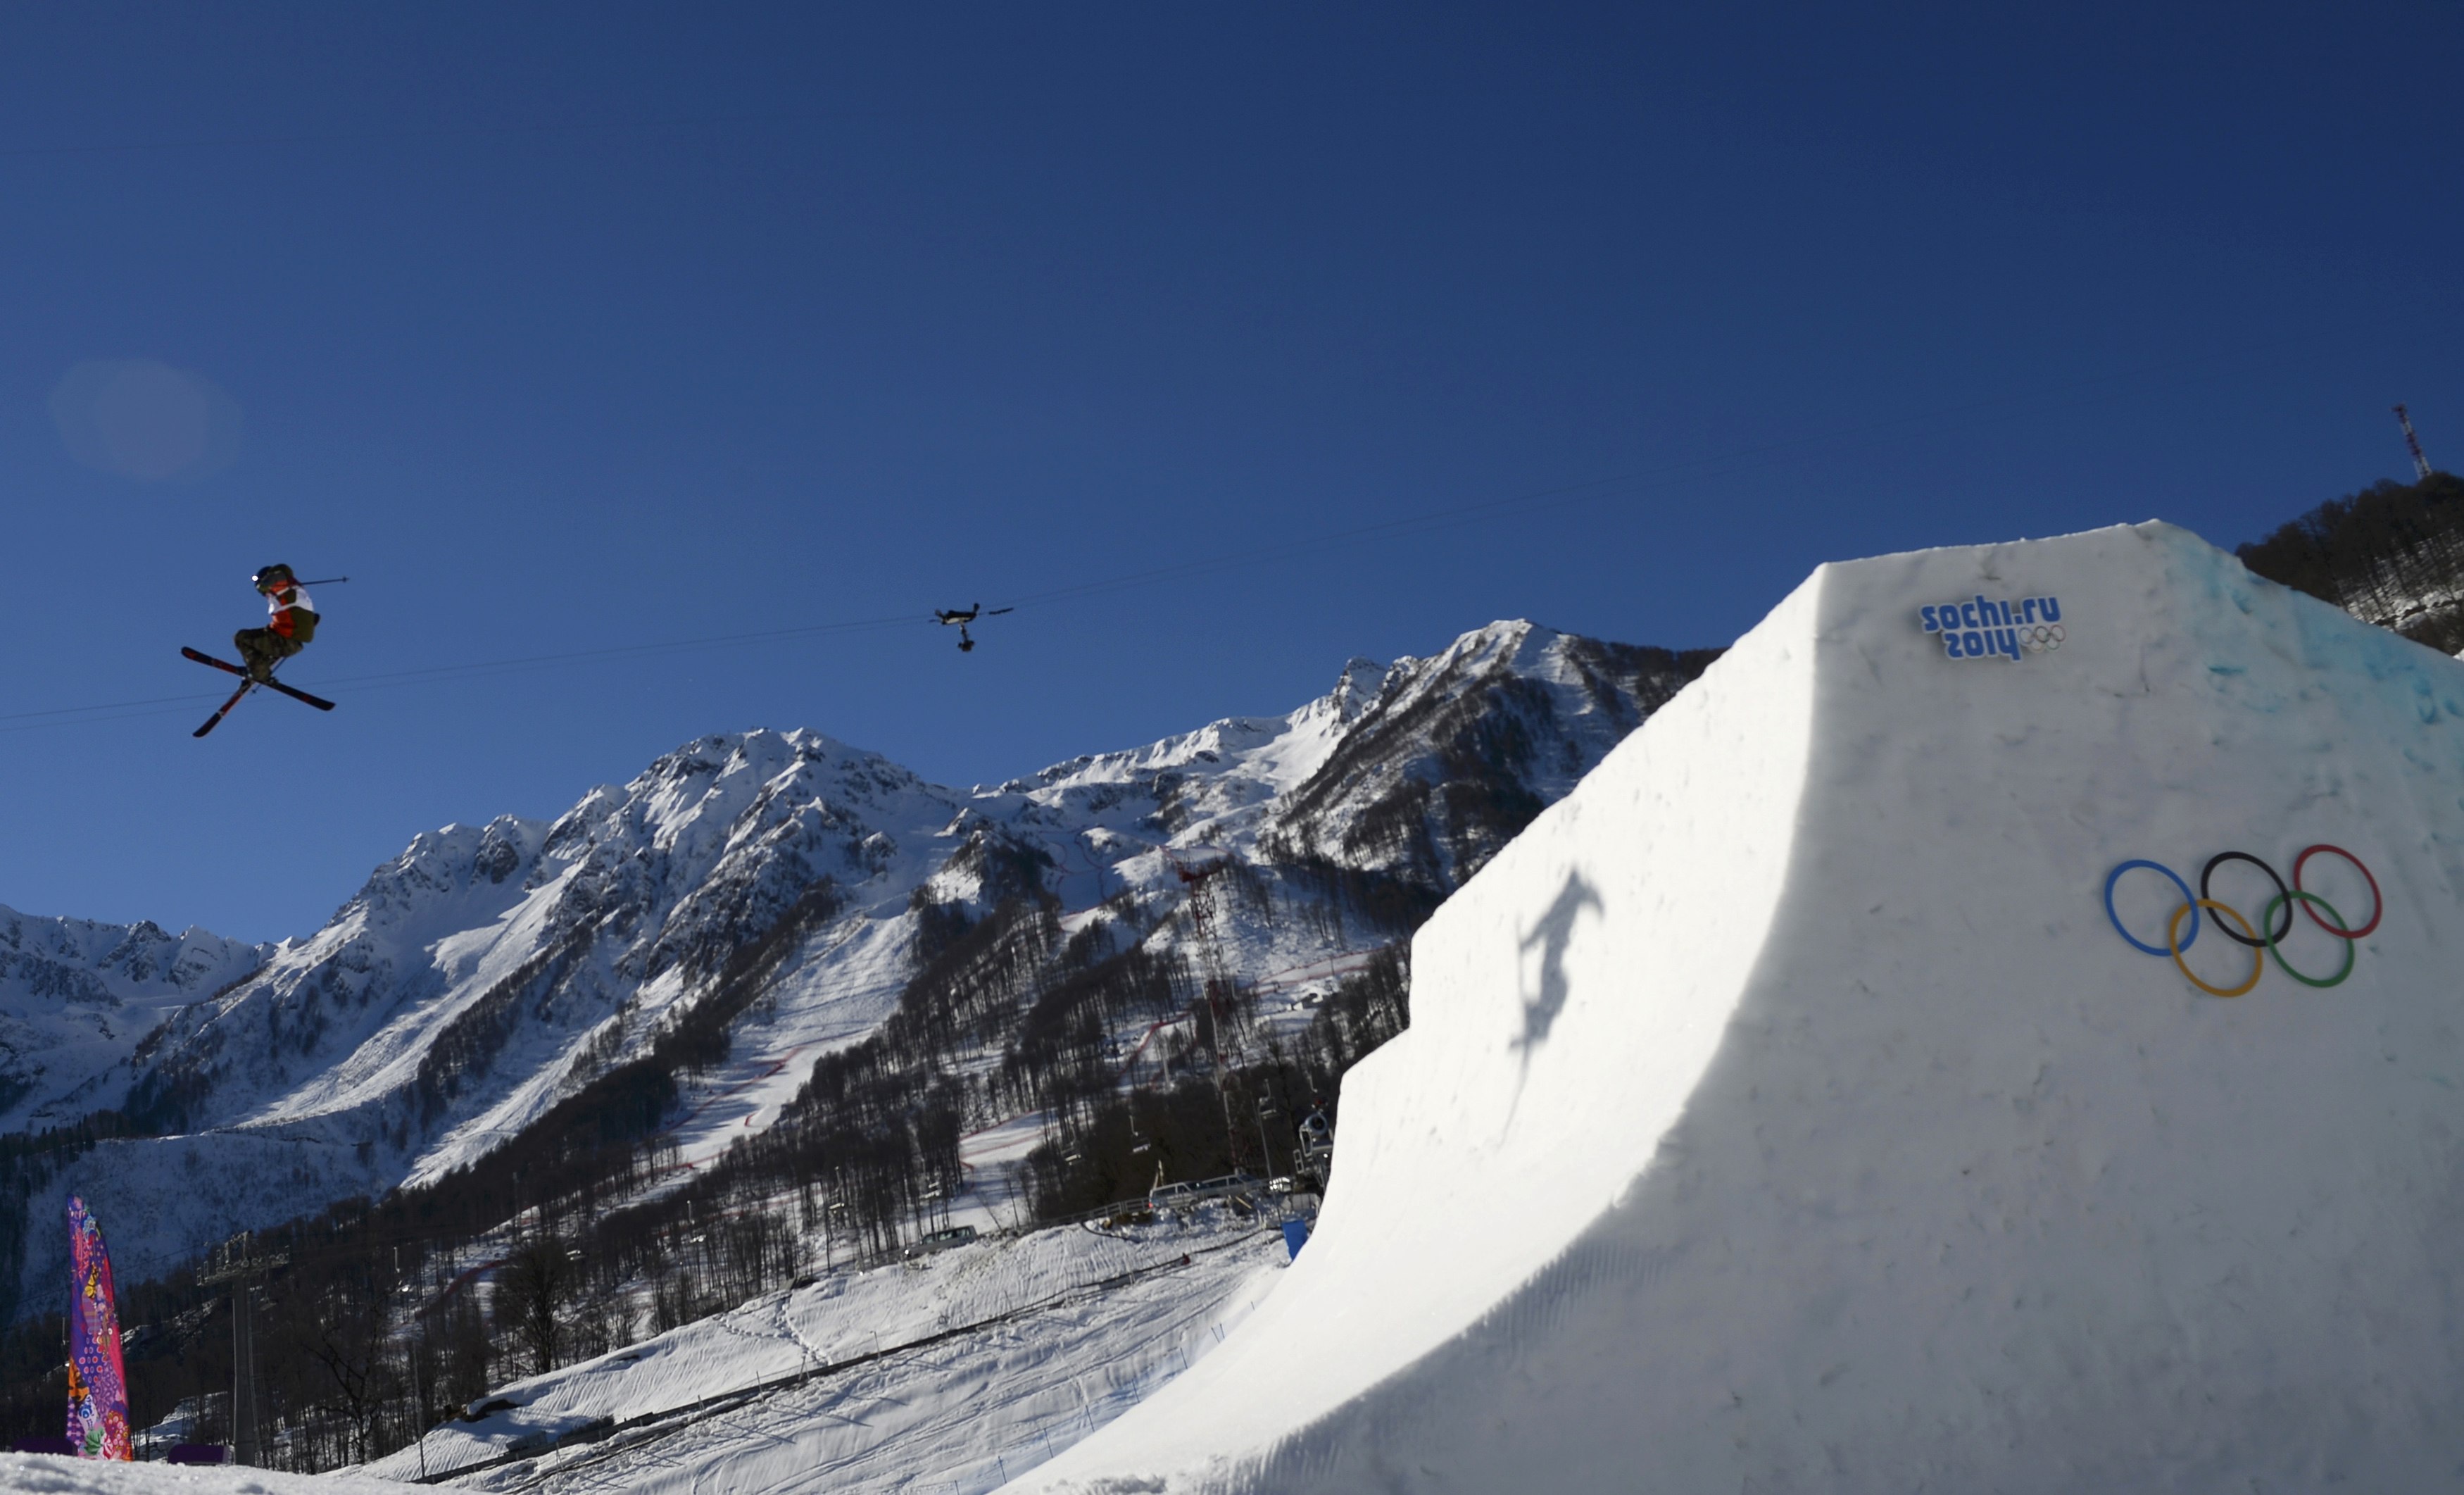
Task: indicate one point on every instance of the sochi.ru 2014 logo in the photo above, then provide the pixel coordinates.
(1981, 628)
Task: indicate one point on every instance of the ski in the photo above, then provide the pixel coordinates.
(216, 719)
(302, 696)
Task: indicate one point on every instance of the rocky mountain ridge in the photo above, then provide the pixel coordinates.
(490, 972)
(76, 996)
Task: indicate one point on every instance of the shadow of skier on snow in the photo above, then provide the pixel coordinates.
(1554, 932)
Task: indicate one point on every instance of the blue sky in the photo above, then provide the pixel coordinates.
(570, 328)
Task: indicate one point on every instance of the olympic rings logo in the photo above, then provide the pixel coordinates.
(2266, 938)
(2043, 639)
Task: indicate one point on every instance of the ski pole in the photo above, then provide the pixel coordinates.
(328, 582)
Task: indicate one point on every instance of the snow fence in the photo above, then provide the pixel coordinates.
(1784, 1111)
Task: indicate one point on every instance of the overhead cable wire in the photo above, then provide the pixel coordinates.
(539, 129)
(1057, 107)
(165, 705)
(1646, 479)
(626, 650)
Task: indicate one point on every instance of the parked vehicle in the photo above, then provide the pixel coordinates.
(1181, 1195)
(941, 1240)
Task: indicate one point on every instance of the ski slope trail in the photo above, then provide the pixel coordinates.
(1782, 1109)
(954, 1372)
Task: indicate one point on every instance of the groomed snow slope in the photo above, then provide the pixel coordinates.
(1781, 1110)
(1055, 1332)
(44, 1474)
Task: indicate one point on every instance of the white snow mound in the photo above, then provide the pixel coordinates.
(1781, 1110)
(45, 1474)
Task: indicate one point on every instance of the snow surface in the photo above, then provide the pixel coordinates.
(1781, 1110)
(44, 1474)
(1077, 1326)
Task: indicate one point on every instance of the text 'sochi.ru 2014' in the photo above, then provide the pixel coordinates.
(1980, 628)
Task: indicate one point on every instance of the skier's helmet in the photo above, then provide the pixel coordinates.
(269, 578)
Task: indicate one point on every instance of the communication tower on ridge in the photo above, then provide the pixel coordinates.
(2412, 444)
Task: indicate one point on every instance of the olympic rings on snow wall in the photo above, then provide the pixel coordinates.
(2263, 939)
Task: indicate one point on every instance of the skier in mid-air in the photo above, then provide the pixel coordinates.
(291, 622)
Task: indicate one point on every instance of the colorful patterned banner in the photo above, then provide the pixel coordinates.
(97, 1382)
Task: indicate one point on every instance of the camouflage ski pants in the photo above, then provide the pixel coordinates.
(260, 649)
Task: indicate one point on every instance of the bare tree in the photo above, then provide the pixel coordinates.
(532, 1295)
(342, 1333)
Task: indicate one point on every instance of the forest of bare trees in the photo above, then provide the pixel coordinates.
(2392, 553)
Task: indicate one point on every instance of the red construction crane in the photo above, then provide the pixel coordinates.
(2412, 444)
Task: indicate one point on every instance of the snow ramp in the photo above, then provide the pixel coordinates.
(1783, 1110)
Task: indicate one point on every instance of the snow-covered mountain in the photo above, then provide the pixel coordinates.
(489, 972)
(76, 998)
(444, 1002)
